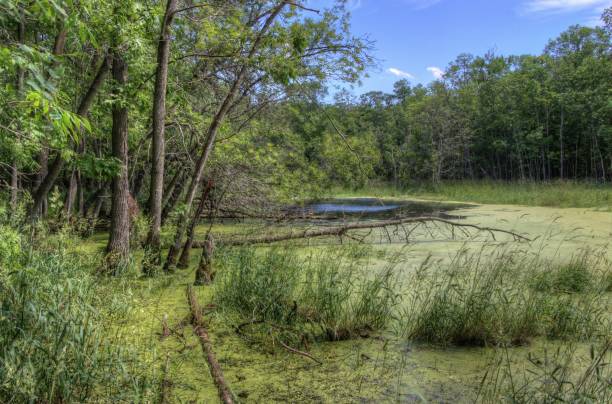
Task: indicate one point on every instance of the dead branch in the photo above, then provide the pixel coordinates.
(215, 370)
(166, 384)
(295, 351)
(340, 231)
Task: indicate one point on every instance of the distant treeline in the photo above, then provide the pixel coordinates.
(505, 118)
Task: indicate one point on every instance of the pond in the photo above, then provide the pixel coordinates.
(373, 208)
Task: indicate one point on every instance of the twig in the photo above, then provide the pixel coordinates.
(295, 351)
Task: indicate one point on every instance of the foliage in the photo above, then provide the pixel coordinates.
(324, 295)
(55, 344)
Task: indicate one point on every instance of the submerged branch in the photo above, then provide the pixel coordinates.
(197, 322)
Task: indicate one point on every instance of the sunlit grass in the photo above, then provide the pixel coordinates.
(550, 194)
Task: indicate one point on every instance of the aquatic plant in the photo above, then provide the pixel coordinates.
(326, 295)
(485, 299)
(562, 374)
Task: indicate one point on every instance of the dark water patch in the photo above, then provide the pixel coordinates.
(374, 208)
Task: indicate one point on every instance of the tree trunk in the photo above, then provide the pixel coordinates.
(205, 274)
(561, 156)
(71, 194)
(211, 136)
(175, 195)
(158, 141)
(118, 248)
(185, 255)
(40, 196)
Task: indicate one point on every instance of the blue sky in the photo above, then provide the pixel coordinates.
(416, 39)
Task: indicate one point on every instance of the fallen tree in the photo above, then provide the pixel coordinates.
(345, 231)
(225, 394)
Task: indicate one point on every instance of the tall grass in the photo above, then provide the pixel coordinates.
(565, 194)
(327, 294)
(562, 375)
(484, 298)
(54, 344)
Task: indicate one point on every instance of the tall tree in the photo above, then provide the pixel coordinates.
(153, 254)
(118, 248)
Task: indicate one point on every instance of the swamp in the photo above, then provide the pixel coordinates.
(243, 202)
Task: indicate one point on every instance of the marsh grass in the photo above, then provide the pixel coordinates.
(564, 194)
(489, 299)
(559, 375)
(326, 295)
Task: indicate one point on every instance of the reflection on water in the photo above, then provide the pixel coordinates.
(349, 208)
(373, 208)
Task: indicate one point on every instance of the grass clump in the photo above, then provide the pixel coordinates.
(55, 346)
(325, 295)
(563, 375)
(572, 277)
(484, 300)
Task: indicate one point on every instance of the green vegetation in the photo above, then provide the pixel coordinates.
(135, 133)
(327, 295)
(489, 299)
(551, 377)
(56, 344)
(563, 194)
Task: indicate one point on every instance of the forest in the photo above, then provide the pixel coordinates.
(195, 205)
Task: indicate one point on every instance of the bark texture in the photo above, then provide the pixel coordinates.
(184, 260)
(118, 248)
(158, 141)
(205, 273)
(225, 394)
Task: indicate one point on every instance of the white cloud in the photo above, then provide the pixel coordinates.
(552, 6)
(353, 5)
(436, 72)
(400, 73)
(421, 4)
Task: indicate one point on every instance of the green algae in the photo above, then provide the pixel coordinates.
(381, 368)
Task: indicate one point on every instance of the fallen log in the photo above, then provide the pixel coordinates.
(197, 322)
(340, 231)
(166, 384)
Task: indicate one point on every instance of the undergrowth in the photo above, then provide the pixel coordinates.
(56, 345)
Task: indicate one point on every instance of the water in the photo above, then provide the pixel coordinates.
(374, 208)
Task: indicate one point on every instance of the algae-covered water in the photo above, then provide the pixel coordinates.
(379, 368)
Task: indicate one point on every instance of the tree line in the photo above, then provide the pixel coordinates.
(526, 118)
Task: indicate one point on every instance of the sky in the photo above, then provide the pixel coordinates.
(417, 39)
